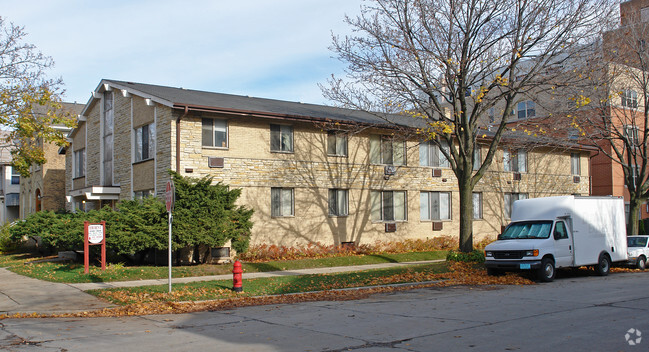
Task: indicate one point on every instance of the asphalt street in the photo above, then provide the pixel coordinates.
(571, 314)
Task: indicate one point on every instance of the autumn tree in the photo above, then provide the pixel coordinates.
(616, 116)
(24, 87)
(457, 66)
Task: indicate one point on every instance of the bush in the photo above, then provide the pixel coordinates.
(476, 256)
(204, 214)
(7, 244)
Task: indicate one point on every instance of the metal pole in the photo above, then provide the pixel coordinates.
(169, 251)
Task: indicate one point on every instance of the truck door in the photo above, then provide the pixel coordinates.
(562, 244)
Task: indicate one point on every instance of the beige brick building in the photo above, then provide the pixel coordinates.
(311, 173)
(44, 189)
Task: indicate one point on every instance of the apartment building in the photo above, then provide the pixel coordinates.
(44, 188)
(312, 173)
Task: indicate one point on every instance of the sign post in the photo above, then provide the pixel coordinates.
(170, 198)
(94, 234)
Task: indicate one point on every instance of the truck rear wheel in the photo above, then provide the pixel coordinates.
(546, 271)
(603, 266)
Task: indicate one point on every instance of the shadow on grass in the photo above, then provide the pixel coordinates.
(260, 267)
(383, 258)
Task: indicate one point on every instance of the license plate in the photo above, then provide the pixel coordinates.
(525, 266)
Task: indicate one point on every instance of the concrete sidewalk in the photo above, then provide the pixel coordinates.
(21, 294)
(246, 276)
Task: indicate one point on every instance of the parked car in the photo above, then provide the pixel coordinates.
(638, 250)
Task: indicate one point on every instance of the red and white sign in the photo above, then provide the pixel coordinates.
(170, 195)
(94, 234)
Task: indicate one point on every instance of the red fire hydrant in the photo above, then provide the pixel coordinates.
(237, 277)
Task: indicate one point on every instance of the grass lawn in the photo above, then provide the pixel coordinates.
(208, 290)
(73, 272)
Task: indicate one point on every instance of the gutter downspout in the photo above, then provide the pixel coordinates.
(178, 138)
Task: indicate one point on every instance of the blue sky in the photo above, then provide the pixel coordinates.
(265, 48)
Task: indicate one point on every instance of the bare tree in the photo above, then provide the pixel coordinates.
(616, 114)
(25, 88)
(452, 63)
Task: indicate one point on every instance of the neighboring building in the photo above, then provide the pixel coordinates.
(9, 182)
(44, 189)
(311, 173)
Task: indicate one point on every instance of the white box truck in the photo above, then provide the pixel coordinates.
(560, 232)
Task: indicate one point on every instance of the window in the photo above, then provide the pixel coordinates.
(477, 206)
(281, 202)
(492, 115)
(338, 202)
(80, 163)
(145, 142)
(631, 134)
(634, 175)
(15, 176)
(336, 144)
(215, 133)
(515, 161)
(108, 120)
(435, 205)
(387, 150)
(430, 154)
(644, 14)
(510, 198)
(526, 109)
(477, 157)
(142, 194)
(281, 138)
(560, 231)
(630, 98)
(575, 164)
(388, 205)
(573, 133)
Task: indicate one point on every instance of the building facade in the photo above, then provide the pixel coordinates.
(44, 188)
(311, 173)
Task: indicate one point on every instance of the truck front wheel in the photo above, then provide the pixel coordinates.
(546, 272)
(603, 266)
(641, 263)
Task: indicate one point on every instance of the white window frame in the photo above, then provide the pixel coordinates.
(15, 176)
(386, 207)
(477, 206)
(281, 138)
(515, 161)
(385, 150)
(432, 207)
(142, 153)
(477, 158)
(337, 143)
(79, 165)
(629, 98)
(282, 202)
(525, 109)
(430, 154)
(509, 199)
(631, 134)
(210, 127)
(575, 164)
(338, 202)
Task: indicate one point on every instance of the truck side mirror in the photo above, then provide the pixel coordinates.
(500, 236)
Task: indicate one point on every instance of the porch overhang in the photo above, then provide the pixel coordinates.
(97, 193)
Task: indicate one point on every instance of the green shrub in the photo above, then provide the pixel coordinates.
(7, 244)
(206, 214)
(476, 256)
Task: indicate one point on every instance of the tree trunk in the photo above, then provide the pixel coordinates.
(632, 227)
(466, 215)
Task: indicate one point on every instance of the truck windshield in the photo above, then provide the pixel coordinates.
(636, 241)
(527, 229)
